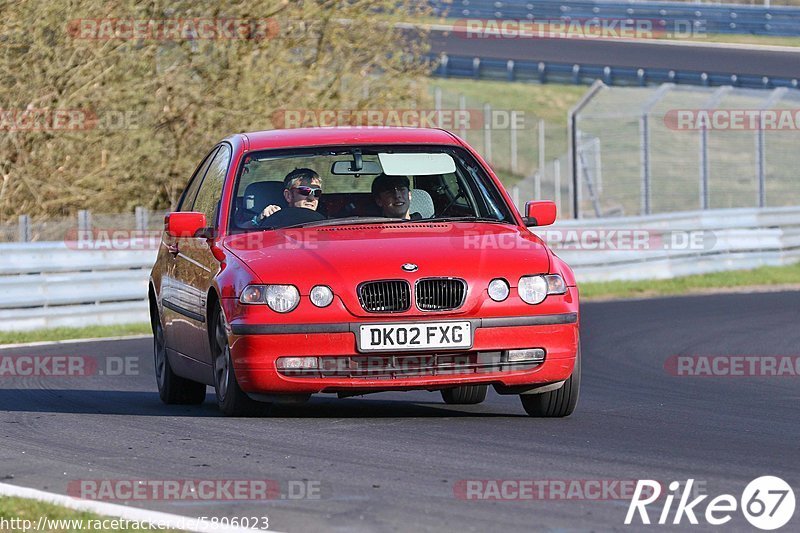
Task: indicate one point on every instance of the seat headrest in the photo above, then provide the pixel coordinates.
(260, 194)
(422, 203)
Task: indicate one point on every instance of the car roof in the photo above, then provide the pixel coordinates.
(338, 136)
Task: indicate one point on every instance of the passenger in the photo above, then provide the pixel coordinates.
(302, 188)
(393, 196)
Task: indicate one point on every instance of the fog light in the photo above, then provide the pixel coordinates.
(296, 363)
(498, 290)
(528, 355)
(321, 296)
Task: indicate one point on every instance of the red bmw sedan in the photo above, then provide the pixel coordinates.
(359, 260)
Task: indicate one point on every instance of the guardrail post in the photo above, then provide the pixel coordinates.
(24, 228)
(84, 220)
(142, 218)
(476, 68)
(443, 65)
(510, 70)
(576, 74)
(542, 72)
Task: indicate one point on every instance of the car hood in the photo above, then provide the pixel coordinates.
(344, 256)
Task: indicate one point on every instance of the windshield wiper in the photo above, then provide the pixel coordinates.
(460, 219)
(345, 221)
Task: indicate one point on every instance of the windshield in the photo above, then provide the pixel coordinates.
(356, 185)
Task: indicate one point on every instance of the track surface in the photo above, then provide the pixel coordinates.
(615, 53)
(389, 462)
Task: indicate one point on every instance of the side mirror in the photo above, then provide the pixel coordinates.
(540, 213)
(184, 224)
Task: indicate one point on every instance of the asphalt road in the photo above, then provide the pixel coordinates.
(390, 462)
(617, 53)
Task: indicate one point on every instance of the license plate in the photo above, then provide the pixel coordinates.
(420, 336)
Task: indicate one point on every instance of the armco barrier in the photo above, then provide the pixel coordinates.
(709, 18)
(51, 284)
(453, 66)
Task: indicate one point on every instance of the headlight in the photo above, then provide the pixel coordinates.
(282, 298)
(279, 298)
(321, 296)
(532, 289)
(498, 290)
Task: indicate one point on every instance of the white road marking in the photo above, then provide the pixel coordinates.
(171, 521)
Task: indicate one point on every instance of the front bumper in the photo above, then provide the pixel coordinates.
(255, 347)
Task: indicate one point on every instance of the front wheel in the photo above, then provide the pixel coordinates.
(231, 399)
(557, 403)
(464, 395)
(172, 388)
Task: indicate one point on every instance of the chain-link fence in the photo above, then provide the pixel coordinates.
(108, 226)
(677, 148)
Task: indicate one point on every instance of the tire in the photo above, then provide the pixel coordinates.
(464, 395)
(172, 389)
(231, 399)
(557, 403)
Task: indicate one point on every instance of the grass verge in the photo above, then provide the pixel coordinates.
(759, 279)
(60, 519)
(59, 334)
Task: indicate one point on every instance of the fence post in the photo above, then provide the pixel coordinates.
(557, 183)
(711, 104)
(462, 107)
(513, 134)
(24, 228)
(761, 165)
(644, 146)
(487, 131)
(572, 138)
(537, 183)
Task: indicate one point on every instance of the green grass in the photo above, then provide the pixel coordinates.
(759, 277)
(58, 334)
(24, 509)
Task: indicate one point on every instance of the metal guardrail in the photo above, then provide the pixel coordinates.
(717, 18)
(731, 239)
(53, 284)
(451, 66)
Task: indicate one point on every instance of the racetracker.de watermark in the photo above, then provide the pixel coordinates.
(67, 120)
(577, 28)
(544, 489)
(449, 119)
(194, 489)
(733, 366)
(597, 239)
(733, 119)
(173, 29)
(70, 366)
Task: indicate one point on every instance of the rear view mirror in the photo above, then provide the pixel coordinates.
(184, 224)
(368, 168)
(541, 213)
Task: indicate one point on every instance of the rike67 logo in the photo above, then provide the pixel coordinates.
(767, 503)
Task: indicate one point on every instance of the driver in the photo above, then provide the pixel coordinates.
(393, 196)
(302, 188)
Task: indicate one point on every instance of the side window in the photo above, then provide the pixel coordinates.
(187, 200)
(210, 193)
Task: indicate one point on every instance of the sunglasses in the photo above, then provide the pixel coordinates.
(316, 192)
